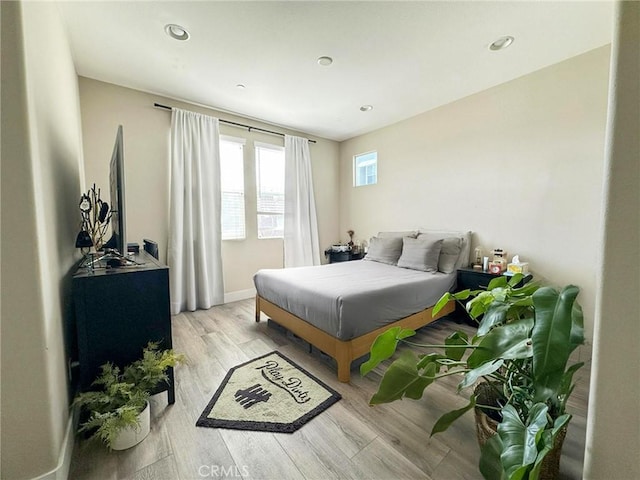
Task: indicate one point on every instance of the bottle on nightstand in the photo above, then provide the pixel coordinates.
(478, 253)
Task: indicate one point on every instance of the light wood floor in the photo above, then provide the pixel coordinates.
(350, 440)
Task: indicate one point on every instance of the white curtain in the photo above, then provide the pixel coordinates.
(194, 254)
(301, 246)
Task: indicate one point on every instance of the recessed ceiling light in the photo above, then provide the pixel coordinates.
(176, 31)
(325, 61)
(366, 108)
(501, 43)
(240, 86)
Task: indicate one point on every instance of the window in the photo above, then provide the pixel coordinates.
(365, 169)
(270, 184)
(232, 186)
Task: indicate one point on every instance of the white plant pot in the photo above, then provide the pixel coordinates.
(131, 436)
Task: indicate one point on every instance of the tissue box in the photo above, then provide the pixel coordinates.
(514, 268)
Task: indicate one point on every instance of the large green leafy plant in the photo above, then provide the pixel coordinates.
(521, 350)
(122, 395)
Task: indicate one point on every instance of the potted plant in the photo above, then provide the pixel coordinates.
(521, 356)
(117, 412)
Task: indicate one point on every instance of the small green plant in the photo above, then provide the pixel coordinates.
(120, 397)
(521, 351)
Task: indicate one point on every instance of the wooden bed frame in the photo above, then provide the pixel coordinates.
(344, 352)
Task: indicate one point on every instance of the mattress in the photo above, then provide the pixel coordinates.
(349, 299)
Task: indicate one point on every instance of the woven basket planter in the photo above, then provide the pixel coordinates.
(486, 427)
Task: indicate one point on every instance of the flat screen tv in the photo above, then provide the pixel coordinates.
(118, 240)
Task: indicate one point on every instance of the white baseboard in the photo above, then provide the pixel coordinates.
(61, 472)
(239, 295)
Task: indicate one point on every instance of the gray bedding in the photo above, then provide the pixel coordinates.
(350, 299)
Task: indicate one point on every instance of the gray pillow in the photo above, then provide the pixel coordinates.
(420, 254)
(384, 250)
(449, 253)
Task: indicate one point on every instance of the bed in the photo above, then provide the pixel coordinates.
(341, 308)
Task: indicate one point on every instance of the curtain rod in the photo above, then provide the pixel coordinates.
(235, 124)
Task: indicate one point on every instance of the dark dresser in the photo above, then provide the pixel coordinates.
(117, 312)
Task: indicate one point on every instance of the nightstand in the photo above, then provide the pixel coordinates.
(477, 280)
(335, 257)
(473, 279)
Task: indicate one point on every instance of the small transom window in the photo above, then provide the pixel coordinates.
(365, 169)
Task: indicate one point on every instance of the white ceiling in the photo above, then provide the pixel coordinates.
(403, 58)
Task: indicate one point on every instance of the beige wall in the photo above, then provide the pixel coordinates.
(613, 424)
(146, 140)
(41, 178)
(519, 164)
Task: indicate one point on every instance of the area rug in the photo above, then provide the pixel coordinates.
(270, 393)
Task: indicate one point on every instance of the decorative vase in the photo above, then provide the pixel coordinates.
(486, 427)
(133, 435)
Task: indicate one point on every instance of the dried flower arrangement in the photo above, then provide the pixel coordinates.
(351, 233)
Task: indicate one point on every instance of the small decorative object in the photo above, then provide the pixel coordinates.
(495, 268)
(85, 203)
(118, 413)
(350, 233)
(95, 220)
(521, 356)
(83, 240)
(499, 262)
(478, 253)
